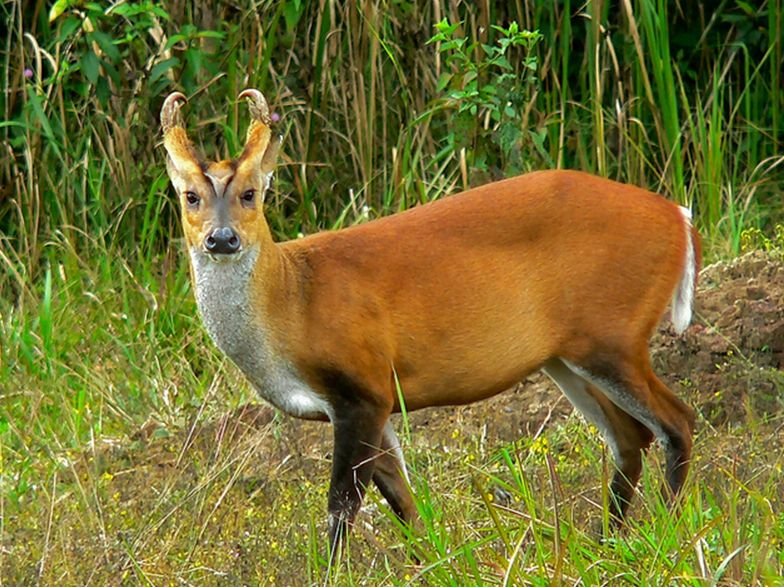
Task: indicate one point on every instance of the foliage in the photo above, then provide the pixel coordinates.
(489, 95)
(377, 118)
(753, 239)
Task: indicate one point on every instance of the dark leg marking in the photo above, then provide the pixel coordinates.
(626, 437)
(390, 476)
(358, 422)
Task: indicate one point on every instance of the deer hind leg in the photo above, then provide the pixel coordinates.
(632, 386)
(679, 449)
(626, 437)
(391, 477)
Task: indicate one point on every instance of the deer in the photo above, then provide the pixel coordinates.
(444, 304)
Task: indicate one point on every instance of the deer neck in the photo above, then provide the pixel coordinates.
(233, 299)
(222, 289)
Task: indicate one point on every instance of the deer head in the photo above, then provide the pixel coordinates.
(222, 202)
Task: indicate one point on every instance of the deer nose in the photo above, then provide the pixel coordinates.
(222, 241)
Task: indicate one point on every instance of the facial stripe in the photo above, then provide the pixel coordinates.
(220, 205)
(219, 184)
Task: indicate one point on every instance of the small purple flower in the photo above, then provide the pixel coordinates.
(275, 117)
(28, 73)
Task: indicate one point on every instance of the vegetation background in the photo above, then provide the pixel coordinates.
(105, 374)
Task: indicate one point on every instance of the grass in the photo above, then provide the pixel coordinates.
(126, 460)
(123, 459)
(92, 494)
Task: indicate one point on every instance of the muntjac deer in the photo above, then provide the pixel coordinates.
(454, 301)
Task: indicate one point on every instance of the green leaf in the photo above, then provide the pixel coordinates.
(193, 62)
(503, 63)
(746, 7)
(162, 67)
(507, 137)
(68, 27)
(173, 40)
(443, 81)
(531, 36)
(489, 50)
(106, 43)
(189, 30)
(90, 65)
(445, 28)
(111, 70)
(58, 8)
(128, 10)
(210, 35)
(103, 91)
(538, 138)
(453, 45)
(160, 12)
(292, 12)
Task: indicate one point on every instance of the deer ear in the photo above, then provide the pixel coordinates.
(259, 157)
(182, 162)
(270, 161)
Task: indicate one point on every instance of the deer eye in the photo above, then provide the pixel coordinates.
(248, 196)
(192, 198)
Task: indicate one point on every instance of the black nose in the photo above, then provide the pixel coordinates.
(222, 241)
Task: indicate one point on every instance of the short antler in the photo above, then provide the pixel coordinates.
(181, 152)
(170, 111)
(259, 110)
(258, 140)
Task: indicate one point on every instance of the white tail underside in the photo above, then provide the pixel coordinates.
(683, 297)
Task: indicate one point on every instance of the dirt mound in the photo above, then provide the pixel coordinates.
(728, 362)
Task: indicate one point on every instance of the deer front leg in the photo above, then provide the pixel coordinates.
(358, 428)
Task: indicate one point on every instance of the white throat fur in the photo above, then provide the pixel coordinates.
(222, 290)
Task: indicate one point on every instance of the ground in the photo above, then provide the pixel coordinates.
(240, 498)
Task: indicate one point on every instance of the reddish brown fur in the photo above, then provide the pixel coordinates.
(498, 278)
